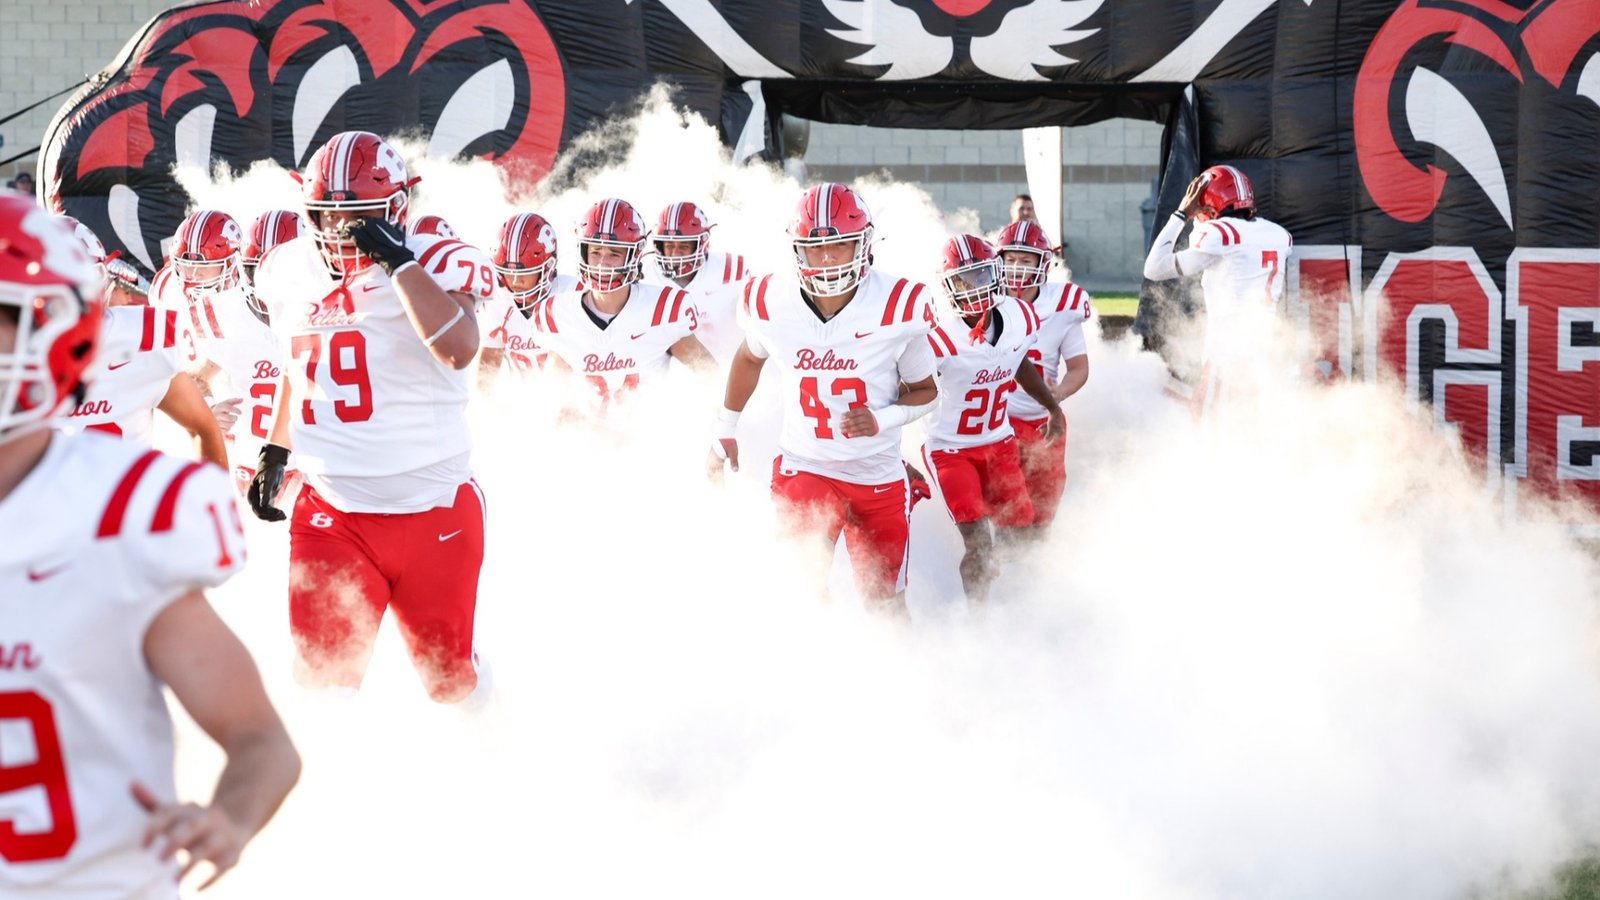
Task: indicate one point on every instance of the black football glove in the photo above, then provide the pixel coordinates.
(270, 468)
(382, 241)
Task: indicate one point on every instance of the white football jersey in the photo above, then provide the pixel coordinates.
(976, 377)
(1062, 308)
(715, 290)
(377, 423)
(247, 354)
(141, 349)
(857, 358)
(632, 346)
(100, 537)
(502, 326)
(1242, 266)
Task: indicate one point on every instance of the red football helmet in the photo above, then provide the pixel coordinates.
(206, 250)
(527, 247)
(1227, 190)
(831, 213)
(611, 223)
(91, 243)
(431, 224)
(682, 222)
(356, 173)
(270, 229)
(1025, 237)
(970, 273)
(48, 291)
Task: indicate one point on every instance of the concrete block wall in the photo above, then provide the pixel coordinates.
(1108, 169)
(46, 46)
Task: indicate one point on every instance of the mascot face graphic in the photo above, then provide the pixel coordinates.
(1545, 43)
(273, 79)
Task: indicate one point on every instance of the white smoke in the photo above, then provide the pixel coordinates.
(1294, 654)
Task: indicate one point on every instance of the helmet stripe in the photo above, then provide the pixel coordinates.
(608, 217)
(822, 205)
(339, 178)
(196, 231)
(514, 257)
(673, 214)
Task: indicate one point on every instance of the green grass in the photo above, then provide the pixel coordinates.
(1116, 304)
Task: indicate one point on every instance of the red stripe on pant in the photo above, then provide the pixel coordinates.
(346, 569)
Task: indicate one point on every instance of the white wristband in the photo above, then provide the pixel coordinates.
(727, 424)
(898, 414)
(433, 338)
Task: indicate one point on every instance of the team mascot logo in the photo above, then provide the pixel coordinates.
(1541, 43)
(273, 79)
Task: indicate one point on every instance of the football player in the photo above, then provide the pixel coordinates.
(613, 329)
(981, 348)
(1060, 354)
(683, 255)
(854, 366)
(268, 230)
(145, 354)
(381, 331)
(1241, 258)
(525, 271)
(109, 547)
(240, 360)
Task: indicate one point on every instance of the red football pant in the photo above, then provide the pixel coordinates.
(345, 569)
(875, 520)
(983, 482)
(1043, 466)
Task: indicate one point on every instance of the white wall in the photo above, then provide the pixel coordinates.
(1108, 169)
(46, 45)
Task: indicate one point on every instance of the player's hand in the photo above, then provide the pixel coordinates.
(1056, 428)
(382, 241)
(205, 834)
(919, 487)
(264, 488)
(723, 450)
(227, 412)
(858, 422)
(1191, 197)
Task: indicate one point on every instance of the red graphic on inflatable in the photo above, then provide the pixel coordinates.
(250, 61)
(1549, 36)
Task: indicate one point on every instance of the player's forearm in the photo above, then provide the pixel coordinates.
(693, 354)
(915, 401)
(184, 405)
(1032, 384)
(262, 768)
(279, 432)
(1161, 264)
(744, 373)
(1073, 378)
(438, 317)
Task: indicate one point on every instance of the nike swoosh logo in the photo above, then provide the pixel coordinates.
(370, 287)
(635, 337)
(47, 573)
(880, 490)
(446, 537)
(862, 334)
(115, 367)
